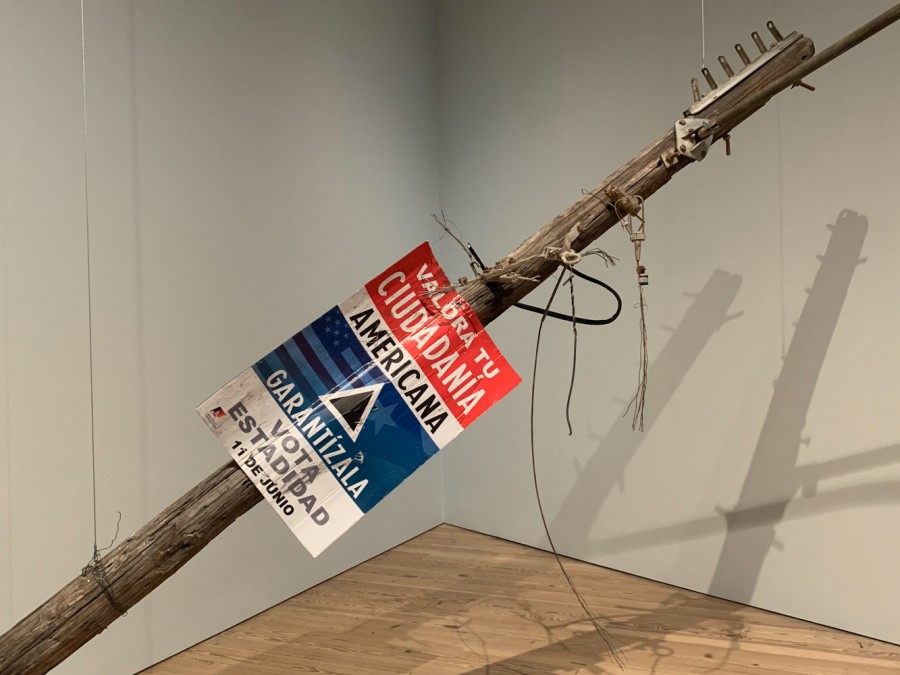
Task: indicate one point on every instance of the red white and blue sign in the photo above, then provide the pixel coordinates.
(336, 417)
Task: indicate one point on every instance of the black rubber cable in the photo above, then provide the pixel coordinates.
(547, 312)
(568, 318)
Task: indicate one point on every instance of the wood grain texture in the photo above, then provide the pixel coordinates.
(80, 610)
(453, 601)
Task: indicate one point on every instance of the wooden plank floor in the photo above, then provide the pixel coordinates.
(453, 601)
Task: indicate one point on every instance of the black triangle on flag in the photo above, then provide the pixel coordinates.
(351, 407)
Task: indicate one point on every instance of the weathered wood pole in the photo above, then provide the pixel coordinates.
(83, 608)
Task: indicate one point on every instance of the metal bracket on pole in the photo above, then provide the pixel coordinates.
(688, 145)
(766, 55)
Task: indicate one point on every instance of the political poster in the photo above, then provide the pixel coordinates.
(332, 420)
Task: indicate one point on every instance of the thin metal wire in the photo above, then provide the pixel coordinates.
(478, 265)
(94, 568)
(614, 649)
(87, 230)
(571, 282)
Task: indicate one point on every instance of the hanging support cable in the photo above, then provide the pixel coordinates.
(94, 568)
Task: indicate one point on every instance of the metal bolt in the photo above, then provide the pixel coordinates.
(695, 89)
(726, 66)
(760, 45)
(682, 122)
(682, 147)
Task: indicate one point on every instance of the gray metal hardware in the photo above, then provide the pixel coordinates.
(688, 146)
(732, 82)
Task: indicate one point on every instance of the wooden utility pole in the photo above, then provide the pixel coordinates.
(130, 571)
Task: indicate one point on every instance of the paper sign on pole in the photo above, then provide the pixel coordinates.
(336, 417)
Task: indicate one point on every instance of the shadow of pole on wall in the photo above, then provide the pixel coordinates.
(769, 493)
(774, 477)
(771, 484)
(606, 467)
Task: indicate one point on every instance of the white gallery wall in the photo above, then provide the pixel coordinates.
(251, 164)
(769, 468)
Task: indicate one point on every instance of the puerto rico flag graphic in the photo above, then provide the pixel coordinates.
(336, 417)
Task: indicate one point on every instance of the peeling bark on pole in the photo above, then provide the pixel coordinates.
(81, 610)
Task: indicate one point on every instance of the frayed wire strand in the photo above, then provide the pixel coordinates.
(446, 224)
(608, 639)
(95, 569)
(637, 236)
(641, 394)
